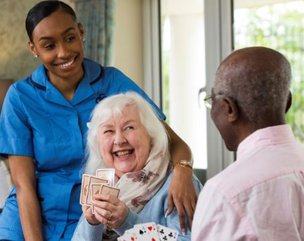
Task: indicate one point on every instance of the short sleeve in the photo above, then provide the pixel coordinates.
(15, 132)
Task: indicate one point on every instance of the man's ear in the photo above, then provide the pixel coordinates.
(231, 108)
(289, 102)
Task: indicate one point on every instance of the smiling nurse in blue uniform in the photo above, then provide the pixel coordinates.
(43, 131)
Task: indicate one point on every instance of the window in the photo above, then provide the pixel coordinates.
(277, 24)
(183, 71)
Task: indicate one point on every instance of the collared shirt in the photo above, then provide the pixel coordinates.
(258, 197)
(37, 121)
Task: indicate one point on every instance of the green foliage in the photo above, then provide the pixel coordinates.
(165, 85)
(281, 27)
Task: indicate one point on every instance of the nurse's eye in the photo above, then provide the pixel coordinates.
(70, 38)
(49, 46)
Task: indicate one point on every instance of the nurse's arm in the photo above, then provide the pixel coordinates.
(23, 175)
(182, 193)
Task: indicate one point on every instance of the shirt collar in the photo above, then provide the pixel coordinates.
(266, 136)
(92, 73)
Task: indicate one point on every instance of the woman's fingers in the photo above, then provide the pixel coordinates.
(110, 211)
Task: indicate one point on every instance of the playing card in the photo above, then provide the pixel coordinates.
(95, 189)
(85, 182)
(106, 173)
(131, 231)
(166, 234)
(93, 180)
(109, 190)
(127, 237)
(146, 232)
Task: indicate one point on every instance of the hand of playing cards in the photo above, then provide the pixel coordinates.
(101, 183)
(149, 232)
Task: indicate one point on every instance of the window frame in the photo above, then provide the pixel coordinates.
(218, 44)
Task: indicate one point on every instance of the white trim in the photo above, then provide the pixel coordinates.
(218, 32)
(152, 49)
(218, 40)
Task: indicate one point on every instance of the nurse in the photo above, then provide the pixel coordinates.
(43, 131)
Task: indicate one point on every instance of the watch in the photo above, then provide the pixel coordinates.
(185, 163)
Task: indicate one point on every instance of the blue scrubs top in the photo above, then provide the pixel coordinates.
(37, 121)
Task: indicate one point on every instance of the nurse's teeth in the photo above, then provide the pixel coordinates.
(66, 64)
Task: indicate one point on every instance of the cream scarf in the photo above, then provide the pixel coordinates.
(137, 188)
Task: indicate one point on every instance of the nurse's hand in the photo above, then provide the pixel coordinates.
(110, 210)
(182, 195)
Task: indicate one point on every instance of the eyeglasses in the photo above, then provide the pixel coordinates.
(204, 99)
(208, 101)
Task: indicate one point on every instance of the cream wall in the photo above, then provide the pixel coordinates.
(128, 39)
(16, 61)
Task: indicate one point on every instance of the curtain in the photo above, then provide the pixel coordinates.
(97, 17)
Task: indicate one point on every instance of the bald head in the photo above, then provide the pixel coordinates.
(258, 78)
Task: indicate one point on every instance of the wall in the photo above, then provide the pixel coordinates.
(128, 39)
(16, 61)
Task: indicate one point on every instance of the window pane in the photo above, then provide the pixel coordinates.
(278, 25)
(183, 72)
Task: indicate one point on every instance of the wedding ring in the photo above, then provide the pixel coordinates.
(108, 224)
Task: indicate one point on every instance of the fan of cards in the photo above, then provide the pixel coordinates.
(149, 232)
(102, 183)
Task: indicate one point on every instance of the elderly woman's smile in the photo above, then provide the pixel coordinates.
(123, 153)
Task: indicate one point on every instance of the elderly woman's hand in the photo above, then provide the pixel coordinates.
(87, 211)
(182, 195)
(109, 210)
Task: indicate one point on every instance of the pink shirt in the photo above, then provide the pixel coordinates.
(258, 197)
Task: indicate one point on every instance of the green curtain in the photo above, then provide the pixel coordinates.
(97, 18)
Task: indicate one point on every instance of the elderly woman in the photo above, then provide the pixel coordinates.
(125, 134)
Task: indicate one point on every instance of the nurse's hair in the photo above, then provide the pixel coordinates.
(113, 106)
(42, 10)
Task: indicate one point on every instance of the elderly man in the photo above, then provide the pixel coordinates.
(261, 195)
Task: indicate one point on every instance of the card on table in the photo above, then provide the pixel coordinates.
(146, 232)
(108, 174)
(127, 237)
(149, 232)
(166, 234)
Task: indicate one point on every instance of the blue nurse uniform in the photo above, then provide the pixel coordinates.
(37, 121)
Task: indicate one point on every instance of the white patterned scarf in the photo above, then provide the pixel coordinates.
(137, 188)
